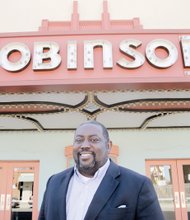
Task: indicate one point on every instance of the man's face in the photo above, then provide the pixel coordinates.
(90, 149)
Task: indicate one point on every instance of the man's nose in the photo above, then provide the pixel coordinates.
(85, 144)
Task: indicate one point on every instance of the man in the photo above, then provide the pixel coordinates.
(96, 188)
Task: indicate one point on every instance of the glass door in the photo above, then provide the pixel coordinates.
(19, 197)
(163, 176)
(171, 180)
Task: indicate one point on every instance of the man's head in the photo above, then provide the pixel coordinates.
(91, 147)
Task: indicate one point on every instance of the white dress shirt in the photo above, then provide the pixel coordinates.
(81, 191)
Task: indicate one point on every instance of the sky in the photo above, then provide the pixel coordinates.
(25, 15)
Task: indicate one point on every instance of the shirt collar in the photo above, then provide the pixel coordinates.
(99, 173)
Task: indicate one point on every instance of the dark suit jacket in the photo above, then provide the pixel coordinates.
(120, 186)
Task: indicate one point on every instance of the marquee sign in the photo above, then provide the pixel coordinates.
(105, 54)
(46, 55)
(84, 60)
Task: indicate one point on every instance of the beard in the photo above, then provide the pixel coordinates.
(87, 169)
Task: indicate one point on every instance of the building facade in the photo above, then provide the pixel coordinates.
(133, 80)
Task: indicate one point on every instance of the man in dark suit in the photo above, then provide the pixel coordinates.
(96, 188)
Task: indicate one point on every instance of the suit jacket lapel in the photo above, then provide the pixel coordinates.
(63, 193)
(104, 191)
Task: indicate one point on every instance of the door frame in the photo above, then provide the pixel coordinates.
(181, 180)
(174, 180)
(3, 189)
(176, 164)
(9, 165)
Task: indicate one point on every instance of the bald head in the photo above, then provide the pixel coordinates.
(104, 129)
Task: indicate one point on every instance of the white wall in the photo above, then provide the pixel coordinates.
(24, 15)
(137, 146)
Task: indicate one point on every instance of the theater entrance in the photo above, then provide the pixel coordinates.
(18, 190)
(171, 179)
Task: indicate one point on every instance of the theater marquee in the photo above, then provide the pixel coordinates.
(46, 54)
(111, 59)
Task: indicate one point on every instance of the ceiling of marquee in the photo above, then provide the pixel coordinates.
(116, 109)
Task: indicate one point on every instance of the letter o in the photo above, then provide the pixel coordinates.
(11, 48)
(161, 62)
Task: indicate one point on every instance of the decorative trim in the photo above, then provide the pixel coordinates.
(91, 105)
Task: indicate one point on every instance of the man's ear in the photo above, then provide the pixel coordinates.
(109, 146)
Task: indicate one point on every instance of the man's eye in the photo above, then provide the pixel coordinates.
(94, 140)
(78, 141)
